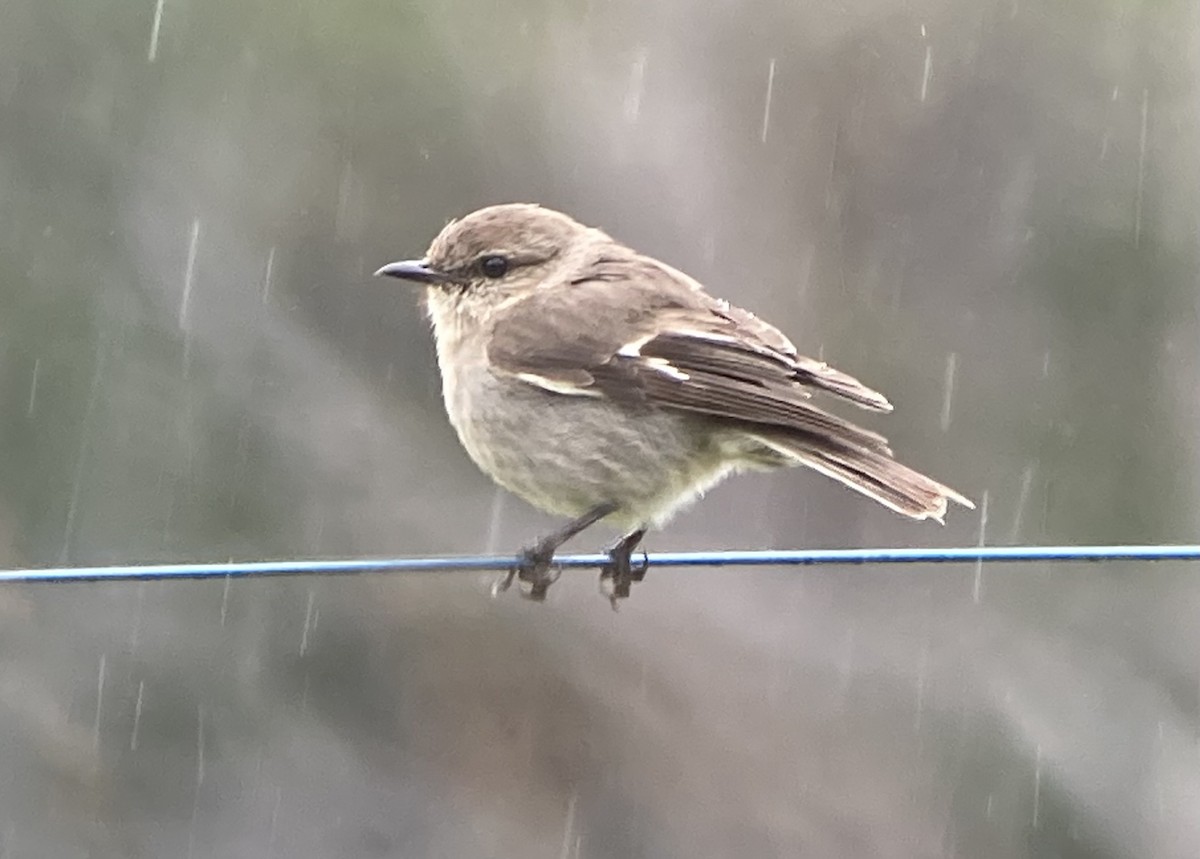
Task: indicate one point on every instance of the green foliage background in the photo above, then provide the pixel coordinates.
(1034, 215)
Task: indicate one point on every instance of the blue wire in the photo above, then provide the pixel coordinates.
(761, 558)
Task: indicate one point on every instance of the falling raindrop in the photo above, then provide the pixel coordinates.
(637, 86)
(81, 460)
(185, 300)
(99, 703)
(569, 837)
(225, 599)
(188, 275)
(493, 532)
(928, 72)
(767, 102)
(1160, 799)
(152, 53)
(33, 386)
(833, 160)
(199, 780)
(977, 589)
(948, 389)
(1022, 500)
(135, 632)
(1037, 785)
(1141, 181)
(199, 746)
(308, 623)
(266, 288)
(274, 823)
(137, 716)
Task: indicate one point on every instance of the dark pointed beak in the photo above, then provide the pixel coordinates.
(416, 270)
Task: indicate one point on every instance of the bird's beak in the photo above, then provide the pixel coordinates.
(416, 270)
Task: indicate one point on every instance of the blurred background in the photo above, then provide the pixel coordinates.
(988, 210)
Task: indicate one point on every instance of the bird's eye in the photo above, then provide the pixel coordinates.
(494, 266)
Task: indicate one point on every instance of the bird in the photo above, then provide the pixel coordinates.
(598, 383)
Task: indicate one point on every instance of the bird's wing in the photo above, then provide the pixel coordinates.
(636, 331)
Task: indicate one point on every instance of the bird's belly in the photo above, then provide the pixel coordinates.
(568, 454)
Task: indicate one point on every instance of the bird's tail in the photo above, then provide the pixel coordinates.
(872, 472)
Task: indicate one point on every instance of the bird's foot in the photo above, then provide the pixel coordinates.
(534, 567)
(619, 573)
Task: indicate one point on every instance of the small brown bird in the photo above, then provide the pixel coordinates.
(598, 383)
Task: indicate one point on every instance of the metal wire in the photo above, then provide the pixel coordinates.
(761, 558)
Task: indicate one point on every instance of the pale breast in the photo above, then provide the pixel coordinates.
(568, 454)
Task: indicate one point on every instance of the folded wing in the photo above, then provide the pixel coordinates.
(637, 331)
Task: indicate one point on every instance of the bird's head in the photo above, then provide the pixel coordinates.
(496, 253)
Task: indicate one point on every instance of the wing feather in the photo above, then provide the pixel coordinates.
(640, 332)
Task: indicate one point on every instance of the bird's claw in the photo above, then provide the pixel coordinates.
(621, 573)
(534, 567)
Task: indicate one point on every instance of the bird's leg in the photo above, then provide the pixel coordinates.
(534, 564)
(619, 569)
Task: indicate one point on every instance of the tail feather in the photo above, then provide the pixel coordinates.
(872, 473)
